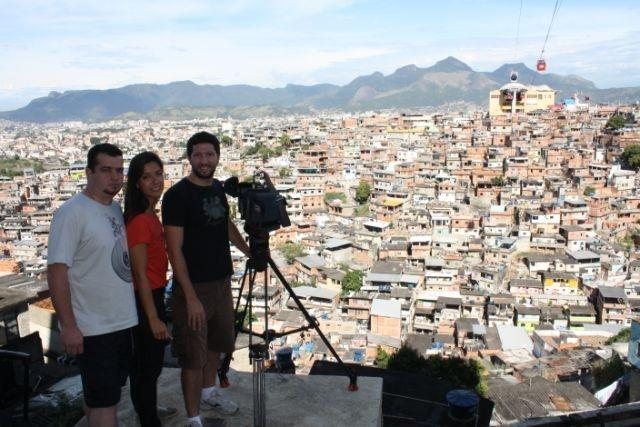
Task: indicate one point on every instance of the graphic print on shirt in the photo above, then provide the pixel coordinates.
(214, 210)
(120, 254)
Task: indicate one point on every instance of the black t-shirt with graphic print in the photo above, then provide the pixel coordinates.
(203, 212)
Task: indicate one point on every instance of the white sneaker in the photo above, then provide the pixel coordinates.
(207, 422)
(220, 403)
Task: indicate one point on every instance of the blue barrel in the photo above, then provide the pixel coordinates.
(463, 404)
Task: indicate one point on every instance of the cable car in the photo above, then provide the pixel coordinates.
(541, 65)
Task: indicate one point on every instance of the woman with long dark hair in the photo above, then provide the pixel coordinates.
(147, 251)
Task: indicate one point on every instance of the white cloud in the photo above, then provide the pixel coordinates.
(65, 44)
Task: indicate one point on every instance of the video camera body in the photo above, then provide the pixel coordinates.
(263, 209)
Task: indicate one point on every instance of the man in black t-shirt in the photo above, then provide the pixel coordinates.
(195, 214)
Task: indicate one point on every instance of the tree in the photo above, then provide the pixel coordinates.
(627, 242)
(631, 157)
(362, 210)
(284, 172)
(497, 181)
(615, 122)
(248, 318)
(382, 358)
(328, 197)
(589, 191)
(226, 140)
(95, 140)
(607, 371)
(291, 251)
(295, 284)
(233, 210)
(352, 281)
(363, 192)
(457, 370)
(285, 140)
(623, 336)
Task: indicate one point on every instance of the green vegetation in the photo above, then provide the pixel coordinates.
(631, 157)
(627, 242)
(284, 172)
(382, 358)
(263, 151)
(589, 191)
(291, 251)
(615, 122)
(352, 280)
(15, 166)
(497, 181)
(328, 197)
(362, 210)
(623, 336)
(456, 370)
(285, 140)
(233, 210)
(94, 140)
(226, 140)
(607, 371)
(248, 319)
(363, 192)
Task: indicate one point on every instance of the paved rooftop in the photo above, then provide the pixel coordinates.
(291, 400)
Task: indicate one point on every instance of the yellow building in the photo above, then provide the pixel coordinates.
(560, 283)
(527, 98)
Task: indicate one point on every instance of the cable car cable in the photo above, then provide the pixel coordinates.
(541, 64)
(517, 50)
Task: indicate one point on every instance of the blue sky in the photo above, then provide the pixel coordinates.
(97, 44)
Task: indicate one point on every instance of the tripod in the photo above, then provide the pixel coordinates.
(259, 352)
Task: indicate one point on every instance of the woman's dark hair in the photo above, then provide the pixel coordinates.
(134, 201)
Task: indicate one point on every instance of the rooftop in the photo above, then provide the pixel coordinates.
(302, 400)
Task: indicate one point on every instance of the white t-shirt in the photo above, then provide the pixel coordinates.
(90, 238)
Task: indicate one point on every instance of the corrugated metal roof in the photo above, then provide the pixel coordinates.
(387, 308)
(311, 261)
(514, 337)
(310, 291)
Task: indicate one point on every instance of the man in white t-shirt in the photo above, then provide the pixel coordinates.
(90, 283)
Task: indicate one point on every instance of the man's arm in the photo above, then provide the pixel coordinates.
(195, 311)
(238, 239)
(70, 336)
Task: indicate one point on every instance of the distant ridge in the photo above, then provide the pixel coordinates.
(447, 81)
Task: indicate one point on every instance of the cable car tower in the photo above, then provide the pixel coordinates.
(513, 93)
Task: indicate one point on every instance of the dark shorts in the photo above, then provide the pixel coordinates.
(104, 367)
(217, 334)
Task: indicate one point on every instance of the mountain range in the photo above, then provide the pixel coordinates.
(446, 82)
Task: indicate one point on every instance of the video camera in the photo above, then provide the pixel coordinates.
(263, 209)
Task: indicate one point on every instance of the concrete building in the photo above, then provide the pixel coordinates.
(528, 98)
(386, 318)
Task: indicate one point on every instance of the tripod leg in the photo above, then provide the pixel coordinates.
(259, 410)
(353, 384)
(223, 380)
